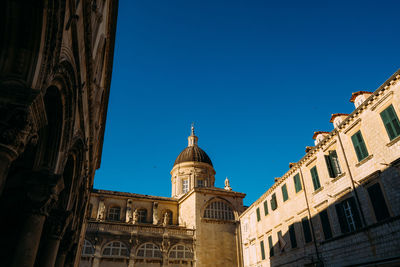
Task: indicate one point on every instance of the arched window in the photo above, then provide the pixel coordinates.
(142, 215)
(149, 250)
(88, 248)
(114, 213)
(180, 252)
(115, 248)
(218, 210)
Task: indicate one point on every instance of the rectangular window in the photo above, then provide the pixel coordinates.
(306, 230)
(114, 213)
(332, 163)
(200, 183)
(284, 193)
(359, 146)
(185, 185)
(326, 225)
(292, 235)
(391, 122)
(274, 204)
(265, 207)
(271, 246)
(348, 216)
(378, 202)
(262, 250)
(258, 214)
(297, 183)
(315, 178)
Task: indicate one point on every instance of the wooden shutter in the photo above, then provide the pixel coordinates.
(359, 146)
(284, 193)
(378, 202)
(335, 163)
(326, 226)
(271, 246)
(329, 165)
(391, 122)
(344, 227)
(258, 214)
(262, 250)
(315, 179)
(297, 183)
(356, 214)
(292, 234)
(306, 230)
(265, 207)
(274, 204)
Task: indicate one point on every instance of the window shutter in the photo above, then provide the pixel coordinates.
(359, 146)
(265, 207)
(271, 246)
(344, 228)
(391, 122)
(306, 230)
(292, 234)
(329, 165)
(297, 183)
(262, 250)
(355, 212)
(335, 162)
(326, 226)
(315, 179)
(274, 204)
(258, 214)
(378, 202)
(285, 195)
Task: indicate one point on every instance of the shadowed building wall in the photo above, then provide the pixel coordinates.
(55, 72)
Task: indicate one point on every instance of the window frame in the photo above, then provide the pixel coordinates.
(112, 248)
(327, 226)
(258, 214)
(185, 186)
(305, 223)
(218, 210)
(262, 250)
(274, 202)
(175, 249)
(375, 208)
(266, 212)
(113, 215)
(348, 215)
(154, 250)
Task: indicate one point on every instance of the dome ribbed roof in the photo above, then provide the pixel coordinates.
(193, 153)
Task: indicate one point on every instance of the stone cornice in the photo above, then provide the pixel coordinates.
(211, 190)
(99, 192)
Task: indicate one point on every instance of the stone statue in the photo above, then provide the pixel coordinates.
(166, 219)
(135, 217)
(101, 215)
(227, 186)
(129, 215)
(155, 213)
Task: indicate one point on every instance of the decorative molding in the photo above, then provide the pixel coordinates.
(390, 94)
(352, 125)
(364, 160)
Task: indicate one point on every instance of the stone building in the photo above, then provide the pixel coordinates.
(197, 226)
(55, 70)
(340, 204)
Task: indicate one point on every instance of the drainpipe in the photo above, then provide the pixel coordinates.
(351, 179)
(309, 215)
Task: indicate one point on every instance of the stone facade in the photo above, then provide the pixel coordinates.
(340, 204)
(55, 72)
(197, 226)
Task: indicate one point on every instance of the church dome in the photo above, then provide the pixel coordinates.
(193, 153)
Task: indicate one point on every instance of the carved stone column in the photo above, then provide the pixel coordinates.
(57, 224)
(42, 194)
(16, 130)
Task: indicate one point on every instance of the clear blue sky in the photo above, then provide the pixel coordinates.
(256, 77)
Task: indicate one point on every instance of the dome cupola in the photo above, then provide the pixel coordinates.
(192, 168)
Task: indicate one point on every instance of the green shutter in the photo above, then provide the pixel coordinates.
(292, 235)
(284, 193)
(359, 146)
(274, 204)
(391, 122)
(329, 165)
(262, 250)
(271, 246)
(297, 183)
(258, 214)
(315, 178)
(265, 207)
